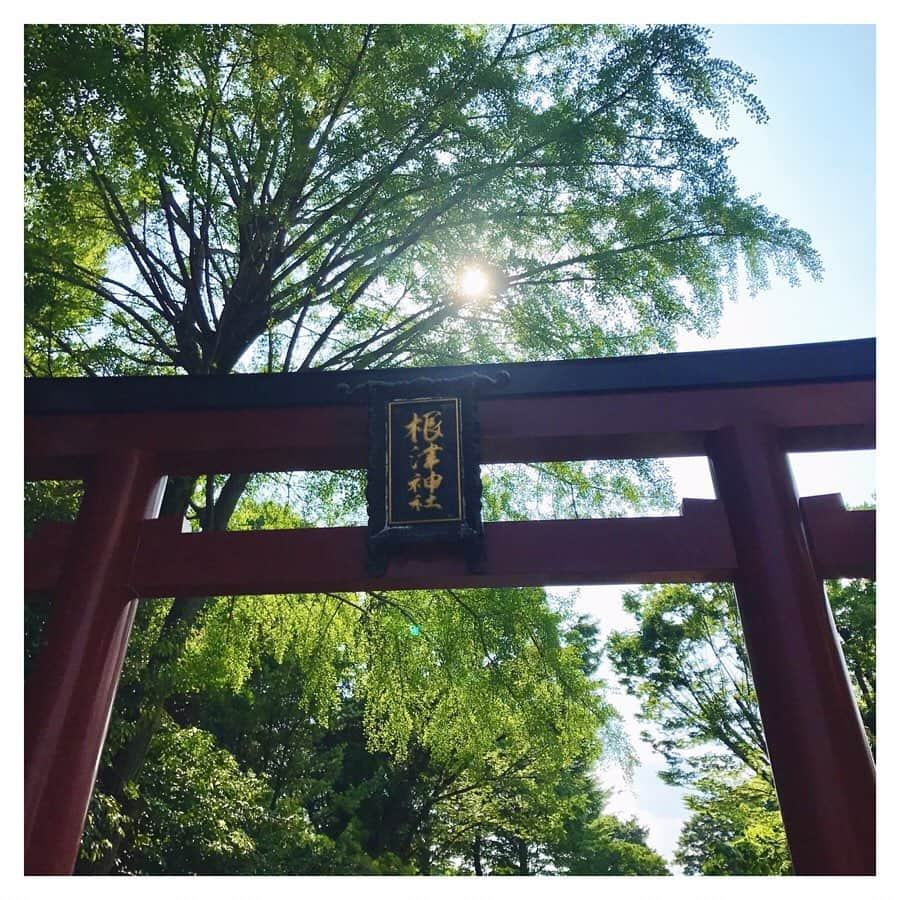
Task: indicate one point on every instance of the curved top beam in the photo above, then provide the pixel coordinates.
(797, 364)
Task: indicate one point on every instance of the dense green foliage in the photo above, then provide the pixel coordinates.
(321, 735)
(219, 198)
(735, 829)
(309, 192)
(687, 663)
(853, 607)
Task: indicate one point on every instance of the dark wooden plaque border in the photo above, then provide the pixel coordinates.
(467, 532)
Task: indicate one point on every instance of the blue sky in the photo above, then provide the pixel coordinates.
(814, 164)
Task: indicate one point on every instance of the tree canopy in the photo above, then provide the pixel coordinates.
(283, 197)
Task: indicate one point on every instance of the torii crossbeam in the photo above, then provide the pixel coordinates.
(744, 409)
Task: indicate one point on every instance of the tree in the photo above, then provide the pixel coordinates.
(735, 829)
(687, 663)
(205, 199)
(853, 608)
(312, 188)
(613, 847)
(258, 767)
(584, 839)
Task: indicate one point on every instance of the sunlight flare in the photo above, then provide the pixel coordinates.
(474, 283)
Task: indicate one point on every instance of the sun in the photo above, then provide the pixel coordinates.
(474, 283)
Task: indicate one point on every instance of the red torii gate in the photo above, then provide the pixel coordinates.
(744, 409)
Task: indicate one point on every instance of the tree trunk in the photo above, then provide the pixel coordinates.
(523, 857)
(423, 860)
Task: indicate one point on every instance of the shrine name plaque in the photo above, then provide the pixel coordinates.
(424, 484)
(424, 465)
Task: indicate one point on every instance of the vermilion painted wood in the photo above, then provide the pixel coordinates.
(824, 772)
(45, 554)
(842, 541)
(518, 429)
(696, 548)
(69, 698)
(822, 766)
